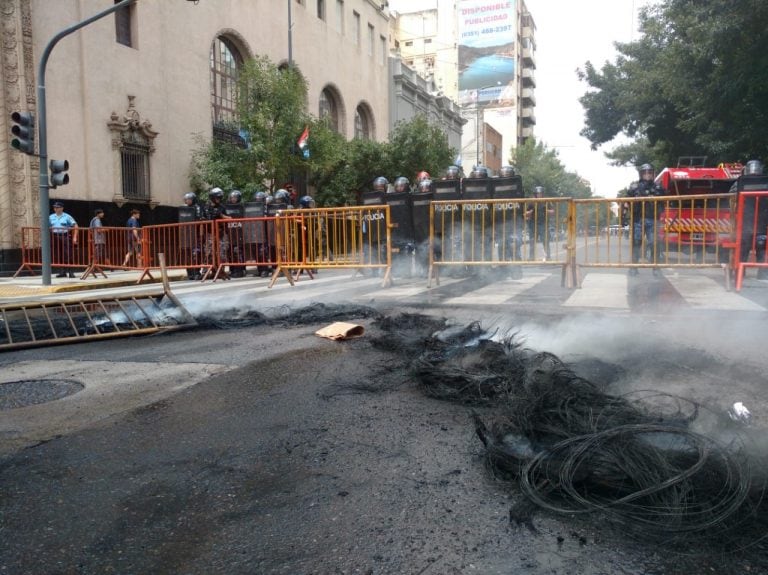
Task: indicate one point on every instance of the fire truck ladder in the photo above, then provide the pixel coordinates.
(74, 321)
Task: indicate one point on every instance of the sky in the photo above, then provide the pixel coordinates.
(569, 33)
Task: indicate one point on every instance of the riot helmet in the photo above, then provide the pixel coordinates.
(506, 171)
(282, 197)
(402, 184)
(646, 172)
(479, 172)
(538, 191)
(753, 168)
(216, 194)
(424, 185)
(235, 197)
(307, 202)
(380, 184)
(191, 197)
(260, 197)
(268, 199)
(452, 173)
(423, 175)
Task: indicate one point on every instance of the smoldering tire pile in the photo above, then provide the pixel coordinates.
(572, 448)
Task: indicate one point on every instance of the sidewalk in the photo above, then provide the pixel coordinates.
(33, 285)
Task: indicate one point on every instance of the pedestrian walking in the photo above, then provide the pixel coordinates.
(64, 238)
(134, 240)
(98, 238)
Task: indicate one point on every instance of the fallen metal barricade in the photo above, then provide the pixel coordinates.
(40, 324)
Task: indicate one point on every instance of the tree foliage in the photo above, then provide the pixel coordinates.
(272, 114)
(694, 84)
(540, 166)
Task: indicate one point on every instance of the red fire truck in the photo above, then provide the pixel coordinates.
(699, 221)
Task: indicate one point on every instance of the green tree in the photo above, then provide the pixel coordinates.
(694, 83)
(416, 145)
(271, 115)
(540, 166)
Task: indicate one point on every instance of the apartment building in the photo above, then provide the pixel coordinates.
(480, 54)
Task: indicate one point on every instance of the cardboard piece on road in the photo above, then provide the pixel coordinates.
(341, 330)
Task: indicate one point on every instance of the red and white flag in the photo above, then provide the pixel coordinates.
(302, 141)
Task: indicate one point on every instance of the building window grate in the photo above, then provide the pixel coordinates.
(134, 158)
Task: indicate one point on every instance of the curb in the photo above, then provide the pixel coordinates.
(16, 290)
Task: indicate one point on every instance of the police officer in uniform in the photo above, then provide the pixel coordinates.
(214, 210)
(643, 215)
(191, 237)
(235, 232)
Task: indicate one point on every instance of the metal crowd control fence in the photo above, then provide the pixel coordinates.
(499, 233)
(353, 237)
(751, 233)
(184, 246)
(653, 232)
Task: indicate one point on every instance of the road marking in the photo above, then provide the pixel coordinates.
(499, 292)
(601, 291)
(705, 293)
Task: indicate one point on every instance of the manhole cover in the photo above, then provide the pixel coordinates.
(25, 392)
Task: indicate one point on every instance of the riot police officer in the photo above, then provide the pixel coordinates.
(452, 173)
(507, 171)
(191, 236)
(540, 218)
(643, 215)
(402, 184)
(214, 210)
(236, 251)
(381, 185)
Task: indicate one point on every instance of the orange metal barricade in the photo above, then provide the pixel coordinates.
(750, 236)
(184, 246)
(498, 233)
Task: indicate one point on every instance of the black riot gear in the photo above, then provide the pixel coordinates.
(190, 196)
(452, 173)
(307, 202)
(235, 197)
(216, 194)
(646, 172)
(425, 185)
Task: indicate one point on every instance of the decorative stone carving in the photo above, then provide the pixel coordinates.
(128, 128)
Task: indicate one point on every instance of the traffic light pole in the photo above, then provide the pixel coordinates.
(45, 235)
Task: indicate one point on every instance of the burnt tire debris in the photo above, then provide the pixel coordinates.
(573, 449)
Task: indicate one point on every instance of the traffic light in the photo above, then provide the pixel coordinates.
(23, 131)
(59, 175)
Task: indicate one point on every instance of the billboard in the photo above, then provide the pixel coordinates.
(487, 32)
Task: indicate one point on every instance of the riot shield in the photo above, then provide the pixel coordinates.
(400, 213)
(508, 217)
(373, 228)
(447, 220)
(476, 220)
(188, 233)
(420, 204)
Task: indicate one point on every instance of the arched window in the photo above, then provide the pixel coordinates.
(329, 107)
(363, 123)
(225, 64)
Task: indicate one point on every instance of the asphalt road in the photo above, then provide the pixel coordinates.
(266, 449)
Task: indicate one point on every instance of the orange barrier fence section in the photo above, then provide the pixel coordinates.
(751, 235)
(354, 237)
(294, 241)
(500, 232)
